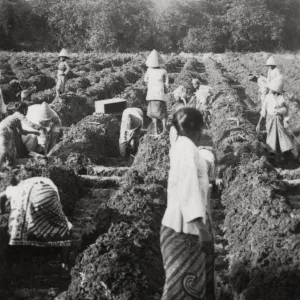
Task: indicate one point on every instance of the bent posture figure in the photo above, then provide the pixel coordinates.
(11, 130)
(180, 95)
(43, 115)
(186, 237)
(131, 125)
(36, 217)
(202, 99)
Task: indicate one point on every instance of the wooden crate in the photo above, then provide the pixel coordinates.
(110, 106)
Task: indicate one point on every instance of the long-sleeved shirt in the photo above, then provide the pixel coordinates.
(274, 103)
(157, 80)
(188, 187)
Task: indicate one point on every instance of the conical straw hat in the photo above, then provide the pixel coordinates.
(46, 112)
(154, 60)
(63, 53)
(271, 61)
(277, 85)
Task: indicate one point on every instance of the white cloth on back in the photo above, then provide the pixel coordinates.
(188, 187)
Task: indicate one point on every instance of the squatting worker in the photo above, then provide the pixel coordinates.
(11, 131)
(37, 217)
(63, 70)
(186, 234)
(275, 109)
(157, 81)
(273, 71)
(202, 99)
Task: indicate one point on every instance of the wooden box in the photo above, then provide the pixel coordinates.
(110, 106)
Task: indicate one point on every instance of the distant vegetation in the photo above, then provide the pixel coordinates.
(138, 25)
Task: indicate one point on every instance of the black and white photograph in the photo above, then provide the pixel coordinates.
(149, 149)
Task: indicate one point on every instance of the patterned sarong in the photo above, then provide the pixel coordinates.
(37, 218)
(189, 271)
(277, 138)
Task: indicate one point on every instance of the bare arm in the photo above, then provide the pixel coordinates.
(68, 68)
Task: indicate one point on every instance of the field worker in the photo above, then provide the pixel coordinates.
(262, 84)
(11, 130)
(36, 217)
(275, 109)
(202, 99)
(63, 70)
(131, 126)
(186, 237)
(180, 95)
(26, 91)
(157, 81)
(273, 71)
(44, 115)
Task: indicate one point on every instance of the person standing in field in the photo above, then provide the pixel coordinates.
(273, 71)
(63, 70)
(158, 82)
(186, 237)
(275, 109)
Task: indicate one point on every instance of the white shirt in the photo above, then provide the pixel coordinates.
(188, 187)
(272, 103)
(157, 79)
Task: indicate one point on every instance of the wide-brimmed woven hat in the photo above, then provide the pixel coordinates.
(271, 61)
(45, 112)
(277, 85)
(63, 53)
(154, 60)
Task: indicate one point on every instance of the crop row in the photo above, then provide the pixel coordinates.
(261, 228)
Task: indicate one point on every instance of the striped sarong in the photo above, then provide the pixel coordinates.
(37, 218)
(278, 139)
(189, 271)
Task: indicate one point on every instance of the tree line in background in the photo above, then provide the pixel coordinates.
(137, 25)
